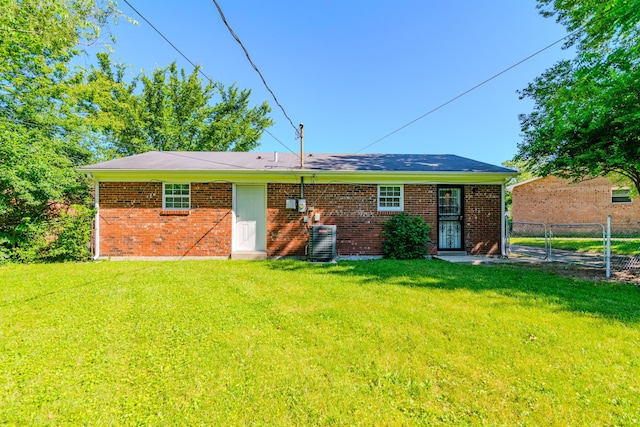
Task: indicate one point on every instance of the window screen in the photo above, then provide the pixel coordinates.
(390, 198)
(176, 196)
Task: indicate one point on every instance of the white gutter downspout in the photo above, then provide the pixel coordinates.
(96, 237)
(503, 221)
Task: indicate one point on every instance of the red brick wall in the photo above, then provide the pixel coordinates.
(553, 200)
(132, 222)
(353, 209)
(482, 219)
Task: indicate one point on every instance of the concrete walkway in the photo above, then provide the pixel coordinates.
(530, 254)
(482, 259)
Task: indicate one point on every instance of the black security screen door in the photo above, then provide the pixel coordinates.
(450, 218)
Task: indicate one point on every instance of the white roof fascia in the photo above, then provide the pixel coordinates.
(293, 176)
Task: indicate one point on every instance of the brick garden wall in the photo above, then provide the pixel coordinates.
(132, 222)
(553, 200)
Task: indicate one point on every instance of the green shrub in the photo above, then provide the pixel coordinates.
(72, 231)
(405, 237)
(66, 237)
(5, 252)
(30, 241)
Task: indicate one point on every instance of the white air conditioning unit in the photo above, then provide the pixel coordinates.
(322, 243)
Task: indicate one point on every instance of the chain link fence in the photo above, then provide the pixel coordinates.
(624, 249)
(582, 244)
(612, 246)
(528, 239)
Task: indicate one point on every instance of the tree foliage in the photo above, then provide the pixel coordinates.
(586, 116)
(66, 237)
(172, 111)
(523, 174)
(594, 25)
(586, 120)
(42, 139)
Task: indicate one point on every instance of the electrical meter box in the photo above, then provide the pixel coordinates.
(291, 204)
(302, 205)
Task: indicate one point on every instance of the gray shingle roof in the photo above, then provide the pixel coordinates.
(232, 161)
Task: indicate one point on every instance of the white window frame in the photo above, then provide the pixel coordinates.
(400, 207)
(184, 197)
(626, 195)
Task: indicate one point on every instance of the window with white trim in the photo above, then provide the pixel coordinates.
(176, 196)
(620, 195)
(391, 198)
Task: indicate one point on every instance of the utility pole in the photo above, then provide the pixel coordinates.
(301, 146)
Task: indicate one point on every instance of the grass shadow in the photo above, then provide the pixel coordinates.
(529, 285)
(64, 288)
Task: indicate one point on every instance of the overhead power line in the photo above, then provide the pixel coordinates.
(465, 92)
(484, 82)
(281, 143)
(199, 68)
(169, 41)
(233, 34)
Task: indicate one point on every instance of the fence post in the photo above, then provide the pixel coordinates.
(607, 251)
(505, 237)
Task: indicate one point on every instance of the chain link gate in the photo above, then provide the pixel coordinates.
(593, 234)
(528, 239)
(613, 246)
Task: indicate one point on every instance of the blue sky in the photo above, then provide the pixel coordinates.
(354, 71)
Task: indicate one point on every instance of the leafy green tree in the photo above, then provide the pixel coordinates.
(594, 25)
(42, 139)
(586, 119)
(586, 116)
(172, 111)
(523, 174)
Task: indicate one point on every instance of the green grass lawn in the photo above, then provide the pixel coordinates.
(292, 343)
(618, 246)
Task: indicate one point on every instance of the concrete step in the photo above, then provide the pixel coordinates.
(249, 255)
(453, 253)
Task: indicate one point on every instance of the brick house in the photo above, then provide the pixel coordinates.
(554, 200)
(257, 205)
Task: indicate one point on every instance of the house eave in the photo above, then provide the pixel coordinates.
(521, 183)
(430, 177)
(294, 175)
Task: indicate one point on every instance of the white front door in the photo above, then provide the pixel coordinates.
(250, 209)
